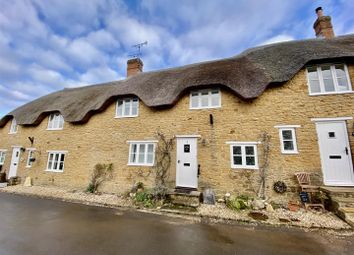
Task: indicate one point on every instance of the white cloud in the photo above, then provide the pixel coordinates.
(277, 39)
(48, 45)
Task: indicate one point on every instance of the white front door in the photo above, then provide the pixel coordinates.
(14, 162)
(335, 153)
(187, 164)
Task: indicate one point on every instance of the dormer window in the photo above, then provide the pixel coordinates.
(208, 98)
(13, 127)
(55, 121)
(328, 79)
(127, 107)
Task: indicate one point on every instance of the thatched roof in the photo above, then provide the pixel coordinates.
(247, 75)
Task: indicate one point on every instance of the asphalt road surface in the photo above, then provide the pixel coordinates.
(39, 226)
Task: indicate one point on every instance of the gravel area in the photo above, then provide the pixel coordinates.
(70, 195)
(302, 218)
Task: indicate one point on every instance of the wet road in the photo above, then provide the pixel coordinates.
(38, 226)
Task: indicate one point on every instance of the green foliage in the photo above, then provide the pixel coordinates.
(145, 198)
(237, 203)
(100, 173)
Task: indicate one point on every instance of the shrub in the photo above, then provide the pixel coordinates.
(237, 203)
(145, 198)
(100, 173)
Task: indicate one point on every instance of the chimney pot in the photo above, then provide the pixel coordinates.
(134, 66)
(323, 25)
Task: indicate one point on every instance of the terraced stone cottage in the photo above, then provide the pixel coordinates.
(299, 92)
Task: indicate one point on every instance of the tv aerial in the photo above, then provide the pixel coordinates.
(137, 47)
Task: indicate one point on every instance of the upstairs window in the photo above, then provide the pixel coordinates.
(141, 153)
(13, 127)
(2, 157)
(328, 79)
(128, 107)
(56, 121)
(56, 161)
(201, 99)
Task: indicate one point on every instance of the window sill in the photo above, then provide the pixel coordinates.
(28, 166)
(12, 133)
(132, 164)
(332, 93)
(204, 108)
(122, 117)
(54, 171)
(245, 167)
(54, 129)
(290, 152)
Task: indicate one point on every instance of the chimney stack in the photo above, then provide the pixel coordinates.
(134, 66)
(323, 25)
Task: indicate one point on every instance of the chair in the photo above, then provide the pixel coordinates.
(305, 184)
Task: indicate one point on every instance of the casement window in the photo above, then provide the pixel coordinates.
(13, 126)
(208, 98)
(56, 161)
(128, 107)
(2, 157)
(55, 121)
(30, 157)
(142, 153)
(328, 79)
(287, 136)
(244, 155)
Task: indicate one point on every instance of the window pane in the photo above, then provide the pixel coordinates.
(150, 154)
(341, 78)
(236, 150)
(215, 98)
(205, 99)
(237, 160)
(135, 107)
(250, 161)
(194, 100)
(312, 73)
(120, 108)
(50, 161)
(133, 153)
(61, 121)
(327, 78)
(141, 153)
(287, 135)
(56, 161)
(315, 86)
(288, 145)
(127, 107)
(249, 150)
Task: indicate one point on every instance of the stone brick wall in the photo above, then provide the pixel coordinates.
(103, 139)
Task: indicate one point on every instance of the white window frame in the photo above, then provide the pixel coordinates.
(55, 121)
(243, 155)
(335, 80)
(57, 170)
(13, 127)
(139, 143)
(200, 99)
(2, 156)
(130, 115)
(30, 152)
(294, 140)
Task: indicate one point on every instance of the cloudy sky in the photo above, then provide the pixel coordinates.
(46, 45)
